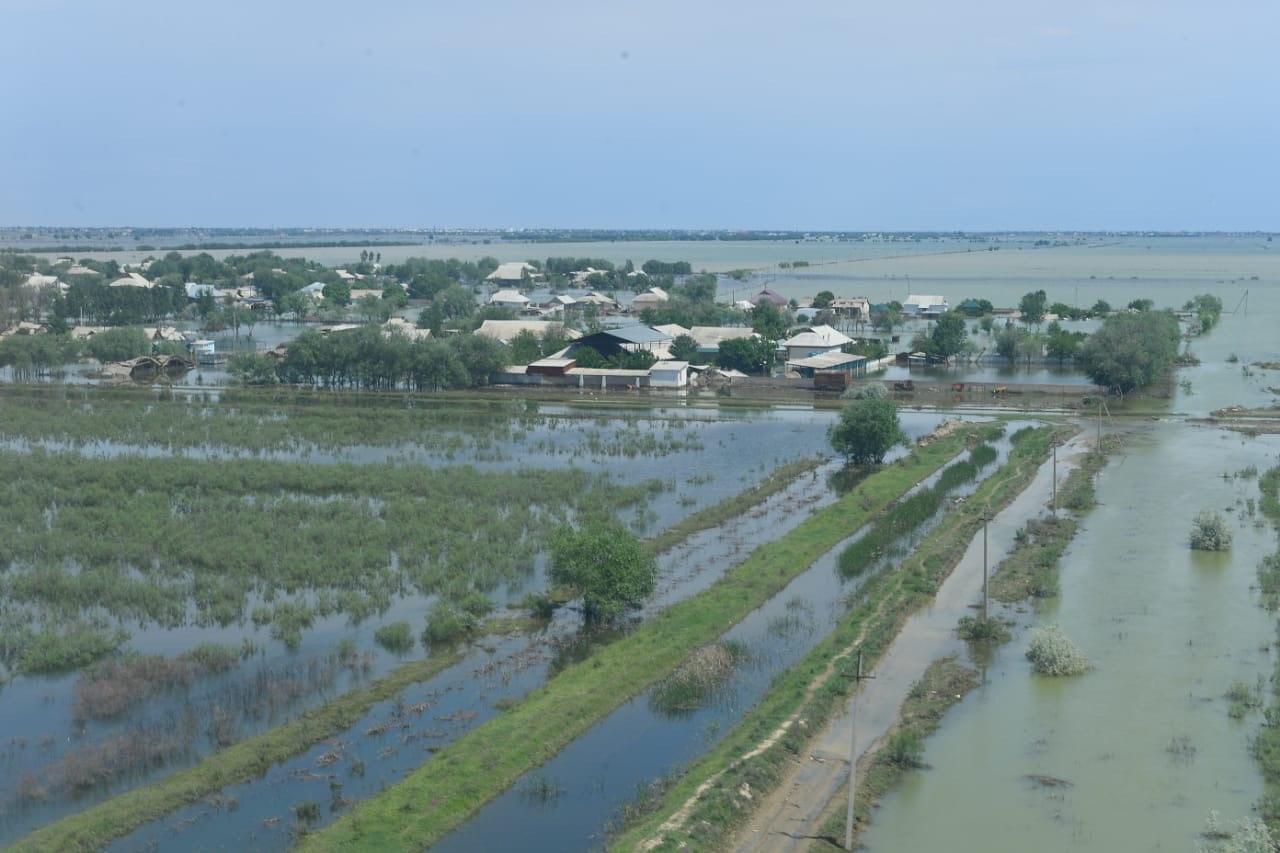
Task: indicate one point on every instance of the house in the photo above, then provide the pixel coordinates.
(581, 276)
(358, 293)
(504, 331)
(559, 302)
(595, 297)
(164, 333)
(38, 282)
(610, 342)
(827, 363)
(315, 290)
(814, 340)
(669, 374)
(195, 291)
(513, 272)
(25, 327)
(348, 277)
(853, 307)
(675, 330)
(131, 279)
(550, 366)
(401, 326)
(709, 338)
(78, 269)
(651, 297)
(83, 333)
(767, 295)
(509, 299)
(924, 306)
(338, 328)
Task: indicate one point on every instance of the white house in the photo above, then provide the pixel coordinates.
(813, 340)
(512, 272)
(924, 306)
(669, 374)
(854, 307)
(401, 326)
(709, 338)
(509, 299)
(504, 331)
(38, 282)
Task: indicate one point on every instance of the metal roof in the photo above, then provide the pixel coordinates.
(825, 360)
(635, 334)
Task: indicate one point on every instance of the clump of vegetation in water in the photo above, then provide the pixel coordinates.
(1052, 653)
(866, 431)
(111, 687)
(697, 681)
(983, 455)
(1250, 835)
(541, 789)
(611, 569)
(982, 630)
(447, 623)
(1243, 698)
(396, 637)
(66, 647)
(1209, 532)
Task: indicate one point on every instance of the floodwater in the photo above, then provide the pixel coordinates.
(638, 744)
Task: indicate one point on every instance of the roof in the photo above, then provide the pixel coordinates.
(850, 302)
(132, 279)
(604, 371)
(669, 365)
(552, 361)
(195, 290)
(653, 294)
(401, 326)
(818, 336)
(314, 287)
(827, 360)
(771, 296)
(505, 330)
(595, 297)
(636, 334)
(79, 269)
(513, 296)
(675, 330)
(712, 336)
(339, 327)
(925, 301)
(35, 280)
(512, 271)
(563, 299)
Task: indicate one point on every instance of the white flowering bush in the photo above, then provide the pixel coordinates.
(1246, 836)
(1051, 652)
(1209, 532)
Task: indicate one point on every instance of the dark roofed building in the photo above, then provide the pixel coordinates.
(636, 338)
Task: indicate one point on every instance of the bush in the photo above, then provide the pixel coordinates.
(249, 368)
(1209, 533)
(396, 637)
(611, 569)
(867, 430)
(697, 681)
(868, 391)
(905, 750)
(1052, 653)
(118, 345)
(978, 629)
(447, 624)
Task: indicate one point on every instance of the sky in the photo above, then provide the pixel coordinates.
(809, 114)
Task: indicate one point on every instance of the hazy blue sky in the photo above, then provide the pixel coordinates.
(804, 114)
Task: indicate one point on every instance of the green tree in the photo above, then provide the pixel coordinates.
(1033, 307)
(684, 348)
(823, 299)
(1064, 345)
(118, 345)
(297, 303)
(949, 335)
(1101, 308)
(1131, 350)
(338, 293)
(1141, 305)
(769, 321)
(610, 568)
(866, 431)
(750, 355)
(525, 347)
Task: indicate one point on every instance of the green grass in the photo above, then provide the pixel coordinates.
(94, 827)
(884, 603)
(444, 792)
(1266, 744)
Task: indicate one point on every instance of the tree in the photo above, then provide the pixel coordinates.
(338, 293)
(610, 568)
(949, 335)
(887, 320)
(867, 430)
(296, 303)
(684, 348)
(373, 309)
(1141, 305)
(975, 307)
(1101, 308)
(987, 323)
(769, 321)
(1131, 350)
(252, 369)
(118, 345)
(1063, 344)
(750, 355)
(455, 302)
(1033, 307)
(823, 299)
(525, 347)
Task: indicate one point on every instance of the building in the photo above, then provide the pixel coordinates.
(38, 282)
(164, 333)
(767, 295)
(829, 363)
(669, 374)
(513, 272)
(509, 299)
(131, 279)
(401, 326)
(709, 338)
(195, 291)
(610, 342)
(504, 331)
(924, 306)
(650, 298)
(550, 366)
(814, 340)
(595, 297)
(854, 307)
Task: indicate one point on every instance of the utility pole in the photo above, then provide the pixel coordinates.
(1055, 479)
(853, 754)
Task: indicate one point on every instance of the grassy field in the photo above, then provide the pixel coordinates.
(95, 827)
(446, 790)
(817, 686)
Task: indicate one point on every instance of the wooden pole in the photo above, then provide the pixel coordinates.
(1055, 479)
(853, 755)
(984, 565)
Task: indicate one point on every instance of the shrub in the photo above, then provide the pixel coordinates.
(1052, 653)
(68, 647)
(867, 391)
(612, 569)
(978, 629)
(396, 637)
(447, 624)
(905, 750)
(1209, 533)
(695, 682)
